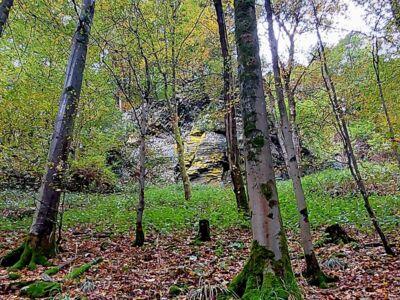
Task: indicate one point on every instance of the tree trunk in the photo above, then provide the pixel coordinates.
(181, 156)
(268, 271)
(375, 62)
(345, 136)
(40, 243)
(5, 8)
(230, 114)
(139, 237)
(180, 149)
(395, 6)
(313, 270)
(292, 118)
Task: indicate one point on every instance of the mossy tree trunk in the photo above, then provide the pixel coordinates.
(180, 150)
(230, 114)
(5, 8)
(313, 269)
(345, 135)
(268, 270)
(40, 243)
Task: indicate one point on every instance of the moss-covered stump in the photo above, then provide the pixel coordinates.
(263, 277)
(40, 289)
(77, 272)
(337, 235)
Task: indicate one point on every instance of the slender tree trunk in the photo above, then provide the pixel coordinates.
(180, 149)
(268, 267)
(395, 6)
(277, 124)
(313, 270)
(5, 8)
(345, 136)
(375, 62)
(230, 113)
(139, 237)
(40, 242)
(292, 118)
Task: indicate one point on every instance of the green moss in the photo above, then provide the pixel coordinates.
(12, 256)
(77, 272)
(40, 289)
(175, 290)
(264, 278)
(266, 190)
(52, 271)
(258, 142)
(30, 258)
(14, 276)
(249, 124)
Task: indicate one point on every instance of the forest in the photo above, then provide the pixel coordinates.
(200, 149)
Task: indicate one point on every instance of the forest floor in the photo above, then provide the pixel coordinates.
(102, 225)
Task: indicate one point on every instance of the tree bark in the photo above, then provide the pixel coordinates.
(230, 113)
(40, 243)
(395, 6)
(345, 136)
(375, 62)
(180, 149)
(5, 8)
(313, 269)
(268, 267)
(139, 237)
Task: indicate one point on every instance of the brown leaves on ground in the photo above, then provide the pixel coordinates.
(128, 272)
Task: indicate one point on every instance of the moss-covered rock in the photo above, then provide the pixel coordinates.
(175, 290)
(14, 276)
(52, 271)
(40, 289)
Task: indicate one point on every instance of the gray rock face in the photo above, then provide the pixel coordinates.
(207, 159)
(203, 131)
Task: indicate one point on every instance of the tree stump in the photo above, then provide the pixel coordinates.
(336, 234)
(204, 231)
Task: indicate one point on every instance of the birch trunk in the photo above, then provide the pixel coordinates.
(375, 62)
(40, 242)
(5, 8)
(345, 136)
(268, 268)
(230, 114)
(292, 118)
(313, 270)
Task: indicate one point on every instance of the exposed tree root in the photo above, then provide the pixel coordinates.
(77, 272)
(30, 257)
(12, 256)
(264, 278)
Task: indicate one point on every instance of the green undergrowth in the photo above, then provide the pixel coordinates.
(329, 194)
